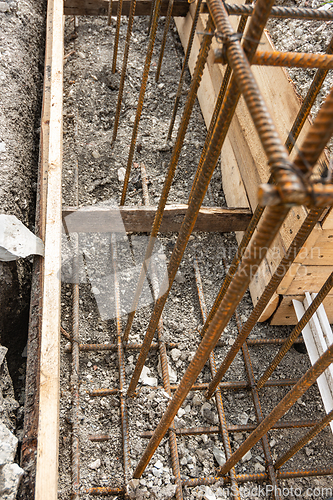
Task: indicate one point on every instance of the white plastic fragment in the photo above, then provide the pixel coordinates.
(219, 455)
(209, 494)
(326, 6)
(95, 465)
(16, 240)
(121, 174)
(145, 379)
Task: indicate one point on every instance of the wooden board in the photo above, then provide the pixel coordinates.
(100, 7)
(308, 279)
(285, 314)
(48, 422)
(140, 219)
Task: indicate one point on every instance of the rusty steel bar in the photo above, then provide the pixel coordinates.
(259, 415)
(116, 38)
(103, 392)
(284, 59)
(197, 75)
(282, 12)
(124, 68)
(296, 245)
(100, 438)
(307, 103)
(75, 378)
(285, 404)
(163, 358)
(271, 142)
(105, 491)
(121, 366)
(304, 440)
(152, 8)
(270, 224)
(218, 395)
(109, 12)
(165, 34)
(114, 347)
(245, 478)
(234, 385)
(219, 101)
(325, 289)
(145, 74)
(185, 63)
(198, 431)
(263, 342)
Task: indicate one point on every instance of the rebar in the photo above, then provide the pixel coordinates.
(165, 34)
(325, 289)
(296, 245)
(185, 63)
(284, 59)
(121, 366)
(218, 395)
(283, 12)
(197, 75)
(114, 347)
(124, 68)
(163, 358)
(285, 404)
(116, 38)
(304, 440)
(272, 145)
(145, 74)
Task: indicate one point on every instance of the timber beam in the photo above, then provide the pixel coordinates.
(100, 7)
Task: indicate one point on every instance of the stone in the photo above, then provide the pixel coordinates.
(8, 445)
(145, 379)
(95, 154)
(3, 5)
(175, 354)
(3, 352)
(272, 443)
(180, 412)
(247, 456)
(209, 494)
(95, 290)
(158, 464)
(179, 278)
(298, 32)
(219, 455)
(258, 467)
(308, 451)
(10, 477)
(81, 55)
(196, 400)
(121, 174)
(243, 418)
(211, 417)
(168, 492)
(95, 465)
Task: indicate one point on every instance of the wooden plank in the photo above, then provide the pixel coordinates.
(140, 219)
(308, 278)
(48, 422)
(100, 7)
(285, 313)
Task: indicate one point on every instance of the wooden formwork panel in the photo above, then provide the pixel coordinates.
(244, 167)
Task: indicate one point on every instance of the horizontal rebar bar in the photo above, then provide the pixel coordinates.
(283, 12)
(114, 347)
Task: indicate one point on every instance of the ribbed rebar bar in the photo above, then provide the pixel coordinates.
(121, 365)
(285, 404)
(304, 440)
(116, 38)
(165, 34)
(163, 357)
(218, 395)
(283, 12)
(185, 63)
(124, 68)
(145, 74)
(271, 141)
(296, 245)
(198, 431)
(197, 75)
(114, 347)
(324, 291)
(259, 416)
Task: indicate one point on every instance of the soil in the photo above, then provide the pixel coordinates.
(90, 98)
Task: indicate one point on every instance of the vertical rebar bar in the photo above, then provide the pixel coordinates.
(164, 358)
(201, 60)
(218, 395)
(165, 34)
(123, 69)
(149, 55)
(185, 63)
(275, 151)
(109, 12)
(116, 38)
(121, 366)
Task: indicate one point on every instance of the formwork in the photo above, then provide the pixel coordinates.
(277, 184)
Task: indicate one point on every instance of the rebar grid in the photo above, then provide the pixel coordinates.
(292, 186)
